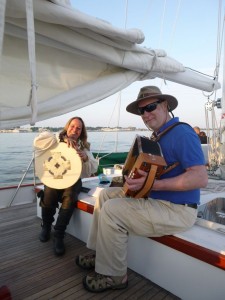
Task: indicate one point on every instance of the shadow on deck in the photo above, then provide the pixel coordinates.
(31, 271)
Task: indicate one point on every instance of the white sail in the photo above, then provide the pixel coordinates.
(56, 59)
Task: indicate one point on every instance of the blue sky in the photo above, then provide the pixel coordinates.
(186, 29)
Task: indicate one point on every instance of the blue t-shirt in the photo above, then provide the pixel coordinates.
(180, 144)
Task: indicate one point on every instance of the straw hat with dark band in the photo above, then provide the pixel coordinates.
(150, 92)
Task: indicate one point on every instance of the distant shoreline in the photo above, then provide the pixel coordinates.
(88, 130)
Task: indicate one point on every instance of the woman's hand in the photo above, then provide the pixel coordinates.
(71, 143)
(82, 155)
(135, 184)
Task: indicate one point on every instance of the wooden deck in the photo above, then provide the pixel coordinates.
(31, 271)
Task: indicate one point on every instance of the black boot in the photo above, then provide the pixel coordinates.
(59, 248)
(47, 219)
(45, 233)
(60, 227)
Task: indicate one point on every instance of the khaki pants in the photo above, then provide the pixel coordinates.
(115, 217)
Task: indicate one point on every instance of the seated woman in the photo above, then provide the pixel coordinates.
(75, 135)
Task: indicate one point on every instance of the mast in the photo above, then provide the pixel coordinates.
(222, 122)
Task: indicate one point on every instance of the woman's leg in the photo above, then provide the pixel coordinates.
(48, 205)
(69, 199)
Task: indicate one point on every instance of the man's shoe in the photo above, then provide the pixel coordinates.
(86, 262)
(99, 283)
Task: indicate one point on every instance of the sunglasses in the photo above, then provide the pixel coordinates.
(149, 107)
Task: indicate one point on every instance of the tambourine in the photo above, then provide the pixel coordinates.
(59, 167)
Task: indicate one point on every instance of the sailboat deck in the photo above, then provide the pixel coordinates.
(31, 271)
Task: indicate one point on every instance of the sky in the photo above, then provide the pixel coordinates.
(186, 29)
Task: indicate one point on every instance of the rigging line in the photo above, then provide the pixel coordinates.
(207, 75)
(162, 23)
(220, 37)
(174, 26)
(147, 15)
(2, 24)
(219, 40)
(118, 100)
(125, 26)
(104, 135)
(126, 9)
(220, 33)
(118, 120)
(172, 32)
(213, 151)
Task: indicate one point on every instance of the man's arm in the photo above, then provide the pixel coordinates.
(194, 178)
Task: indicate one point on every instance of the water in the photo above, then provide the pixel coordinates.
(16, 152)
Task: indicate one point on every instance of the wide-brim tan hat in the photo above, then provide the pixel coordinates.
(58, 167)
(150, 92)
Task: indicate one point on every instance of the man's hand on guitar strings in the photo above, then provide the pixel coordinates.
(136, 180)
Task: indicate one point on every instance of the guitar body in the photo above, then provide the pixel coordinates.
(145, 155)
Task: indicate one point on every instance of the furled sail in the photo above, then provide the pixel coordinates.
(56, 59)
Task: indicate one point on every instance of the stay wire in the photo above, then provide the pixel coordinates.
(118, 102)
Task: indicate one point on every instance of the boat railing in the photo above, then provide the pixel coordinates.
(21, 181)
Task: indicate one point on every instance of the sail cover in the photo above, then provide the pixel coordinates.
(55, 59)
